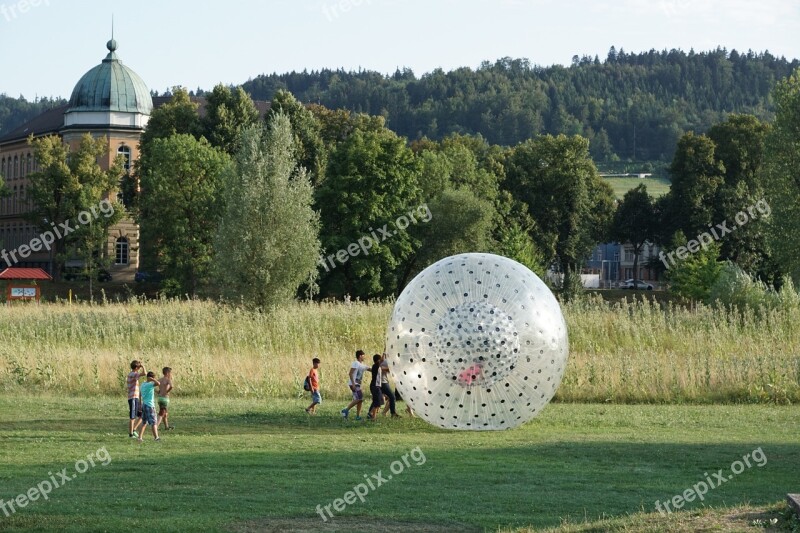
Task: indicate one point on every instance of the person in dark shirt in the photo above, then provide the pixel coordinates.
(375, 387)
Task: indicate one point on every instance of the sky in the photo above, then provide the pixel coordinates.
(47, 45)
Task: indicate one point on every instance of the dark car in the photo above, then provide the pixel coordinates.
(151, 277)
(79, 274)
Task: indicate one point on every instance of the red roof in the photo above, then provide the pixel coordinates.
(25, 274)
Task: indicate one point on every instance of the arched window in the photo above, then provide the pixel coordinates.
(125, 152)
(16, 167)
(3, 168)
(122, 251)
(29, 166)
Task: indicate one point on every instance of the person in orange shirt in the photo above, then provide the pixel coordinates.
(313, 378)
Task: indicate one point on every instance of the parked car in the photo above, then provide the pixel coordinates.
(152, 277)
(79, 274)
(633, 284)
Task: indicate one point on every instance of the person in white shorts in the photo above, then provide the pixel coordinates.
(355, 375)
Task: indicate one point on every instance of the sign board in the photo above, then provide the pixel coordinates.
(22, 292)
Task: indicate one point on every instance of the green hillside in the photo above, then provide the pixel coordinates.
(629, 105)
(655, 186)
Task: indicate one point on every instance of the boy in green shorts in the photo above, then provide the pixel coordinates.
(164, 386)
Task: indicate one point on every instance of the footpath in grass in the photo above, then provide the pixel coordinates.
(247, 465)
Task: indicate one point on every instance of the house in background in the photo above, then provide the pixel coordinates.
(109, 101)
(613, 262)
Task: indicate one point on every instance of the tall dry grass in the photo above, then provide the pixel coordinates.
(627, 352)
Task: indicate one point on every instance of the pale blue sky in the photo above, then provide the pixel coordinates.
(45, 49)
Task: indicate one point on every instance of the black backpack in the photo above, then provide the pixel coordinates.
(307, 383)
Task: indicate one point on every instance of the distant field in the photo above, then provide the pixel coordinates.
(655, 186)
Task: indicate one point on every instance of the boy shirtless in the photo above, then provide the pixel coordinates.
(313, 379)
(164, 386)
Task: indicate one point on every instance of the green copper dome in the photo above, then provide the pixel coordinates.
(111, 86)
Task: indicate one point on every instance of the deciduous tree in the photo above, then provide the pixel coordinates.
(267, 245)
(569, 203)
(373, 178)
(309, 147)
(68, 183)
(228, 112)
(635, 222)
(181, 204)
(783, 176)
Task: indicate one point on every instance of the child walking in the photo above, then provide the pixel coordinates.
(375, 387)
(164, 387)
(148, 389)
(137, 372)
(313, 379)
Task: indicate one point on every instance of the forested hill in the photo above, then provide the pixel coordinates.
(17, 111)
(661, 94)
(643, 101)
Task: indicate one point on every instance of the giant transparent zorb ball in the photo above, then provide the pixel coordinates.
(477, 341)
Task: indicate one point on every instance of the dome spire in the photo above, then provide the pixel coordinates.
(110, 86)
(112, 44)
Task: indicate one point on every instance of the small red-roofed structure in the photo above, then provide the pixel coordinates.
(794, 502)
(21, 283)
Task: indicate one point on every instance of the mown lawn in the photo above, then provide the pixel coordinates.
(248, 465)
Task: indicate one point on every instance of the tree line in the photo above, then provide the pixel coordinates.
(731, 219)
(630, 106)
(245, 207)
(17, 111)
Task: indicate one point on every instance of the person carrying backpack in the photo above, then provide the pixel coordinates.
(312, 384)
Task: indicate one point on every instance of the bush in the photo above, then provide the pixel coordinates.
(694, 277)
(735, 288)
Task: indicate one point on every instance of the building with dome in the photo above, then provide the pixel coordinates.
(109, 101)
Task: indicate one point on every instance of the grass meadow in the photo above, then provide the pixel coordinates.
(248, 465)
(656, 186)
(640, 352)
(655, 398)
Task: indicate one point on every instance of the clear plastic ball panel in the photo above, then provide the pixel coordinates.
(477, 341)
